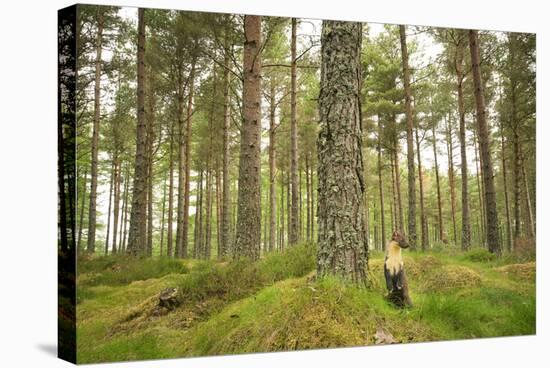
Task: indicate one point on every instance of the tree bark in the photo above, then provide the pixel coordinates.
(226, 193)
(293, 230)
(137, 236)
(381, 186)
(163, 217)
(485, 149)
(410, 149)
(125, 214)
(437, 181)
(342, 245)
(509, 240)
(150, 154)
(423, 221)
(451, 176)
(82, 205)
(186, 194)
(111, 185)
(249, 211)
(272, 153)
(92, 210)
(459, 67)
(169, 233)
(480, 192)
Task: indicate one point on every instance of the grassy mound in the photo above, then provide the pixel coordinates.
(451, 276)
(275, 304)
(522, 271)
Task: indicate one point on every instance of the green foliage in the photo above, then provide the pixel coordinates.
(479, 255)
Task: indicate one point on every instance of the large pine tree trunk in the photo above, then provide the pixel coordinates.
(342, 238)
(381, 185)
(92, 211)
(410, 148)
(226, 193)
(485, 149)
(437, 181)
(293, 230)
(137, 236)
(451, 174)
(272, 194)
(249, 212)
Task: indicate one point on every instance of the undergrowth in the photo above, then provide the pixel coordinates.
(275, 304)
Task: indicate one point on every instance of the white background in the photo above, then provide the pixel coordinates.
(28, 297)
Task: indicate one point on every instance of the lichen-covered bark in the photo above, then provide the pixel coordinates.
(248, 236)
(341, 228)
(492, 232)
(138, 235)
(410, 149)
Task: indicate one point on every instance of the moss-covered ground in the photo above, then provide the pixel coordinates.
(277, 304)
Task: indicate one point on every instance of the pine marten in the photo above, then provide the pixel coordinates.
(396, 280)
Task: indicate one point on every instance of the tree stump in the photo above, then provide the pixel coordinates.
(168, 298)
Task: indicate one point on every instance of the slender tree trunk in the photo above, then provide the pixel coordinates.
(82, 206)
(249, 212)
(398, 181)
(342, 244)
(282, 212)
(208, 223)
(480, 191)
(92, 211)
(272, 153)
(459, 66)
(218, 211)
(308, 198)
(530, 218)
(393, 208)
(197, 253)
(125, 220)
(423, 220)
(509, 241)
(288, 205)
(111, 185)
(150, 140)
(485, 149)
(293, 229)
(163, 217)
(381, 185)
(312, 207)
(186, 194)
(437, 181)
(226, 193)
(410, 149)
(116, 209)
(451, 176)
(169, 233)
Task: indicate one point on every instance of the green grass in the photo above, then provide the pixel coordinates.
(276, 304)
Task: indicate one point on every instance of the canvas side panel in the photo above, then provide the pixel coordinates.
(66, 131)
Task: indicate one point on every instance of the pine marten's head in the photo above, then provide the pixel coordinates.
(400, 239)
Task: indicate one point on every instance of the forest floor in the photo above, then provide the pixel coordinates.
(277, 304)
